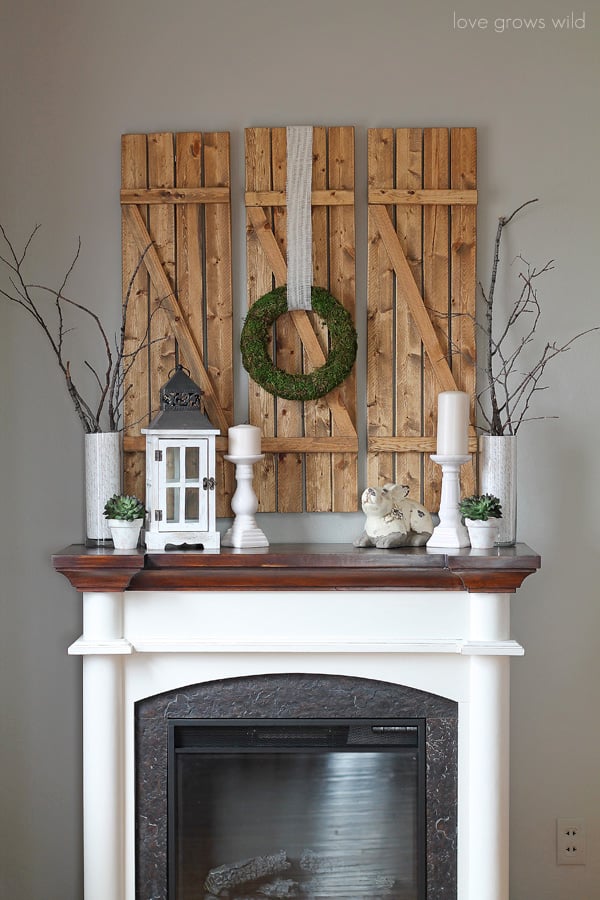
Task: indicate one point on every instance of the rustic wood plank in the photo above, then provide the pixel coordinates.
(436, 175)
(276, 260)
(260, 281)
(189, 281)
(289, 350)
(410, 444)
(439, 363)
(409, 347)
(381, 381)
(463, 146)
(184, 337)
(342, 279)
(410, 197)
(317, 414)
(311, 445)
(136, 404)
(336, 398)
(161, 227)
(176, 195)
(318, 197)
(219, 299)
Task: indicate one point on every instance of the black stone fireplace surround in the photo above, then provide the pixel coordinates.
(295, 696)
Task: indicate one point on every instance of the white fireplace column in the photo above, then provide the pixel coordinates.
(102, 646)
(488, 814)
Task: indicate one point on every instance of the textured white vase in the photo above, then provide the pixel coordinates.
(498, 476)
(102, 480)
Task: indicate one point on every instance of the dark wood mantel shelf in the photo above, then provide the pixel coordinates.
(285, 567)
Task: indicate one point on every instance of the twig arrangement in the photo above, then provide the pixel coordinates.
(505, 399)
(51, 309)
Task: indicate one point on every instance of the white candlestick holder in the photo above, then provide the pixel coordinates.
(450, 532)
(244, 532)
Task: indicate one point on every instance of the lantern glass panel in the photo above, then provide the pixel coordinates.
(173, 504)
(172, 460)
(192, 504)
(192, 464)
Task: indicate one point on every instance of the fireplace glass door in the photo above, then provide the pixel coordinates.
(296, 809)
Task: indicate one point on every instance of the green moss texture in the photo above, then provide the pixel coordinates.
(302, 386)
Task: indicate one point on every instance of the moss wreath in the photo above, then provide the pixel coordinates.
(302, 386)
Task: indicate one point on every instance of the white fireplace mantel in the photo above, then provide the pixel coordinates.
(438, 621)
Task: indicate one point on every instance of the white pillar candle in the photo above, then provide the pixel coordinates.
(244, 440)
(453, 423)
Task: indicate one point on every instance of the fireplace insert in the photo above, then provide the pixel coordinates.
(284, 808)
(295, 778)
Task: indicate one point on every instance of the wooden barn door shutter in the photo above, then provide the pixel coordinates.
(421, 298)
(311, 448)
(176, 217)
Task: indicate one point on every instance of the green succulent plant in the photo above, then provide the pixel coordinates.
(125, 507)
(480, 507)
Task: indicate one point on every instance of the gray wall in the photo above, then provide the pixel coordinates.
(75, 75)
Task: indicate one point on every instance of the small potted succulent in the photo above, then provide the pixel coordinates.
(481, 513)
(125, 514)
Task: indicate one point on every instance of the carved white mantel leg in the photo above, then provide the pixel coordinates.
(102, 746)
(489, 750)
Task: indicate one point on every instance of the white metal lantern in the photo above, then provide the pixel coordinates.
(180, 469)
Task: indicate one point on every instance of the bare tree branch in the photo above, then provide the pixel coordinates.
(505, 400)
(51, 317)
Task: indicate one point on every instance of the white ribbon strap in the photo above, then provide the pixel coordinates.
(299, 223)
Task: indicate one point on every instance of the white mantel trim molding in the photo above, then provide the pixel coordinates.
(83, 647)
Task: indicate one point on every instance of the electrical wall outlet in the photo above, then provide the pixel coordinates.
(570, 842)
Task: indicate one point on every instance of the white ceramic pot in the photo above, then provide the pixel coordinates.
(483, 535)
(125, 535)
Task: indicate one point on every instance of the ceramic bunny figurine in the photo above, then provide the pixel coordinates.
(392, 519)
